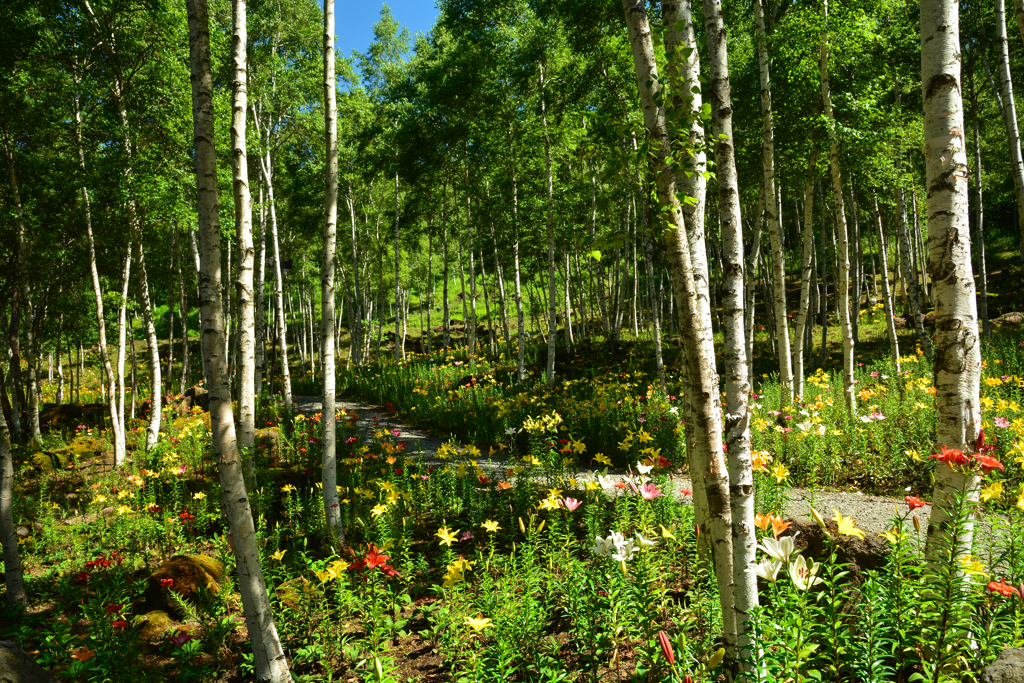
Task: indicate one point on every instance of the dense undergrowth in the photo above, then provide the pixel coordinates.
(528, 570)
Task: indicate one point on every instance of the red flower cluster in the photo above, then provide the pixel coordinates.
(373, 559)
(954, 457)
(185, 517)
(102, 561)
(1004, 588)
(167, 583)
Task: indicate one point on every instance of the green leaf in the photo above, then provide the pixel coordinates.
(596, 254)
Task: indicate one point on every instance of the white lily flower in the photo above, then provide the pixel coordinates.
(768, 570)
(780, 549)
(511, 431)
(625, 552)
(644, 469)
(804, 573)
(805, 426)
(603, 546)
(674, 410)
(606, 481)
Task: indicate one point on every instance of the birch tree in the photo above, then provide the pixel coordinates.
(115, 418)
(806, 274)
(1009, 109)
(13, 574)
(332, 509)
(843, 298)
(772, 211)
(246, 249)
(268, 657)
(702, 378)
(117, 89)
(736, 419)
(957, 364)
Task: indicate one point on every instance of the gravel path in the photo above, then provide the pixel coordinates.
(873, 513)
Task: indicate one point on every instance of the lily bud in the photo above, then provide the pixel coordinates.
(818, 518)
(917, 524)
(666, 647)
(522, 527)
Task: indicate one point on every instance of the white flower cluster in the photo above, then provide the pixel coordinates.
(620, 548)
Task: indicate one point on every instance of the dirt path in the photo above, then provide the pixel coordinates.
(873, 513)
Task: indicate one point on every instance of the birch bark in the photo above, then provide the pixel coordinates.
(736, 418)
(332, 509)
(550, 220)
(957, 348)
(890, 322)
(771, 212)
(843, 256)
(1009, 109)
(979, 214)
(13, 574)
(106, 40)
(703, 380)
(268, 657)
(115, 424)
(806, 274)
(246, 250)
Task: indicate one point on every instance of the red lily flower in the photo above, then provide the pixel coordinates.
(120, 624)
(950, 456)
(1003, 588)
(988, 463)
(358, 565)
(914, 502)
(114, 608)
(374, 557)
(389, 571)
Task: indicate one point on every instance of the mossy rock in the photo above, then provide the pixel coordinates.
(155, 625)
(294, 592)
(86, 447)
(53, 460)
(189, 574)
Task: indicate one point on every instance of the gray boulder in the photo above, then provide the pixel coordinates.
(1008, 668)
(17, 667)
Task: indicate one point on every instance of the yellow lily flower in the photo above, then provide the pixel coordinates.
(447, 536)
(847, 525)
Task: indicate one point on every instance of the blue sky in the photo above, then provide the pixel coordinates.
(354, 21)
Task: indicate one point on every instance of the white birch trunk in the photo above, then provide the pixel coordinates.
(806, 274)
(957, 347)
(890, 323)
(268, 657)
(550, 221)
(332, 509)
(736, 419)
(703, 380)
(13, 574)
(135, 227)
(122, 334)
(1009, 109)
(843, 255)
(246, 250)
(115, 424)
(979, 217)
(684, 75)
(771, 212)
